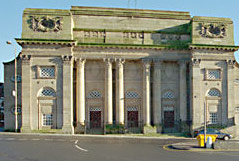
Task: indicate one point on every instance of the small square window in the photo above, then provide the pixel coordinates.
(47, 120)
(213, 74)
(46, 72)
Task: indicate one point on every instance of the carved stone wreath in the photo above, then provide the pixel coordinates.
(212, 30)
(46, 24)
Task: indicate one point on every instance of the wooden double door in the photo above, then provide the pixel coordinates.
(95, 119)
(168, 119)
(133, 118)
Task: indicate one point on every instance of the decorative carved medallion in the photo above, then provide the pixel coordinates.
(45, 24)
(213, 30)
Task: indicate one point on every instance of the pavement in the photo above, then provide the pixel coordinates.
(192, 145)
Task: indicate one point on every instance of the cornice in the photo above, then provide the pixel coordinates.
(45, 42)
(213, 47)
(121, 12)
(132, 46)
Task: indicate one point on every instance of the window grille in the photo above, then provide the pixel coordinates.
(132, 95)
(213, 118)
(213, 93)
(47, 120)
(95, 109)
(94, 94)
(47, 92)
(214, 74)
(168, 95)
(132, 108)
(47, 72)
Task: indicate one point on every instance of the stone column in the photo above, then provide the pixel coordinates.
(108, 112)
(120, 92)
(182, 93)
(26, 96)
(196, 94)
(67, 78)
(146, 92)
(80, 92)
(157, 93)
(182, 90)
(229, 114)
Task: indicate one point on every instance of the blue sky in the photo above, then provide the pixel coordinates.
(11, 14)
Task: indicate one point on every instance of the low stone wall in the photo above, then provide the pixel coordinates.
(227, 145)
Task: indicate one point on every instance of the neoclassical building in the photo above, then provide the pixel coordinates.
(93, 69)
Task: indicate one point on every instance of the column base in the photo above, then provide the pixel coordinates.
(80, 128)
(159, 128)
(149, 129)
(25, 129)
(67, 129)
(184, 127)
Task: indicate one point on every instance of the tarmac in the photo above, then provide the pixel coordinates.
(190, 144)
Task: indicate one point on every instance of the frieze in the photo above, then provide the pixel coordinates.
(133, 35)
(212, 30)
(45, 24)
(94, 34)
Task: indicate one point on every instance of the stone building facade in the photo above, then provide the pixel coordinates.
(108, 69)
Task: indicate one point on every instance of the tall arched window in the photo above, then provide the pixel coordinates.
(47, 92)
(94, 94)
(168, 95)
(214, 93)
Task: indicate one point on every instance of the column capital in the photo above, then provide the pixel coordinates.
(80, 61)
(120, 61)
(67, 59)
(230, 63)
(157, 63)
(147, 63)
(182, 63)
(108, 62)
(25, 59)
(196, 62)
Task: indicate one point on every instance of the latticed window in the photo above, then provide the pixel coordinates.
(132, 108)
(48, 92)
(47, 120)
(213, 93)
(214, 74)
(213, 118)
(168, 95)
(95, 109)
(132, 95)
(47, 72)
(94, 94)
